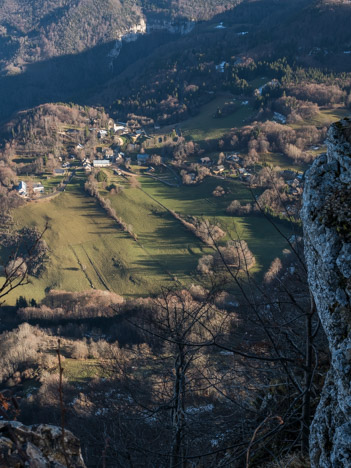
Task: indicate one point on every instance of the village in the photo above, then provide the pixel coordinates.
(121, 149)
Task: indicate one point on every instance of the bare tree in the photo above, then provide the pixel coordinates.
(18, 266)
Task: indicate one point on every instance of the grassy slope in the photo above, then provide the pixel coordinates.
(87, 248)
(165, 239)
(204, 126)
(263, 239)
(82, 237)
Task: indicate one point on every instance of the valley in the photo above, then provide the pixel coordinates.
(155, 267)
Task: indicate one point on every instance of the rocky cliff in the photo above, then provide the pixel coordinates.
(326, 217)
(38, 446)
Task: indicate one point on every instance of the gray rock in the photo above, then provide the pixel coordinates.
(327, 234)
(37, 446)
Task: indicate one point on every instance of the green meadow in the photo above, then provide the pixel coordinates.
(205, 127)
(87, 249)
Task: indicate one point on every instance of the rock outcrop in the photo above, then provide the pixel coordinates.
(326, 217)
(38, 446)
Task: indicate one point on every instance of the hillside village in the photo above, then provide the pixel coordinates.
(121, 149)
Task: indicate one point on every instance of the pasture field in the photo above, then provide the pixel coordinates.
(263, 239)
(164, 238)
(279, 159)
(205, 127)
(88, 249)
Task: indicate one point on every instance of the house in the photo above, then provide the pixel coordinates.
(101, 134)
(242, 170)
(118, 128)
(87, 168)
(219, 169)
(101, 163)
(142, 158)
(22, 189)
(79, 146)
(59, 172)
(206, 161)
(233, 157)
(38, 188)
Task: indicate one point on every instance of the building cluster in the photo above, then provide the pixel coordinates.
(232, 161)
(25, 189)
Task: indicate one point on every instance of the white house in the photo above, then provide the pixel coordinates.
(22, 189)
(101, 163)
(38, 188)
(118, 128)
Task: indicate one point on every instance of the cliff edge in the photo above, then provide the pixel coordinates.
(326, 217)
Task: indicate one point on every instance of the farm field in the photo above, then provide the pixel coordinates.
(279, 159)
(87, 249)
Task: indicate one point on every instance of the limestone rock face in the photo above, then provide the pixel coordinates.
(326, 217)
(37, 446)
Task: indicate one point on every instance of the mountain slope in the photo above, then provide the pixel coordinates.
(34, 30)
